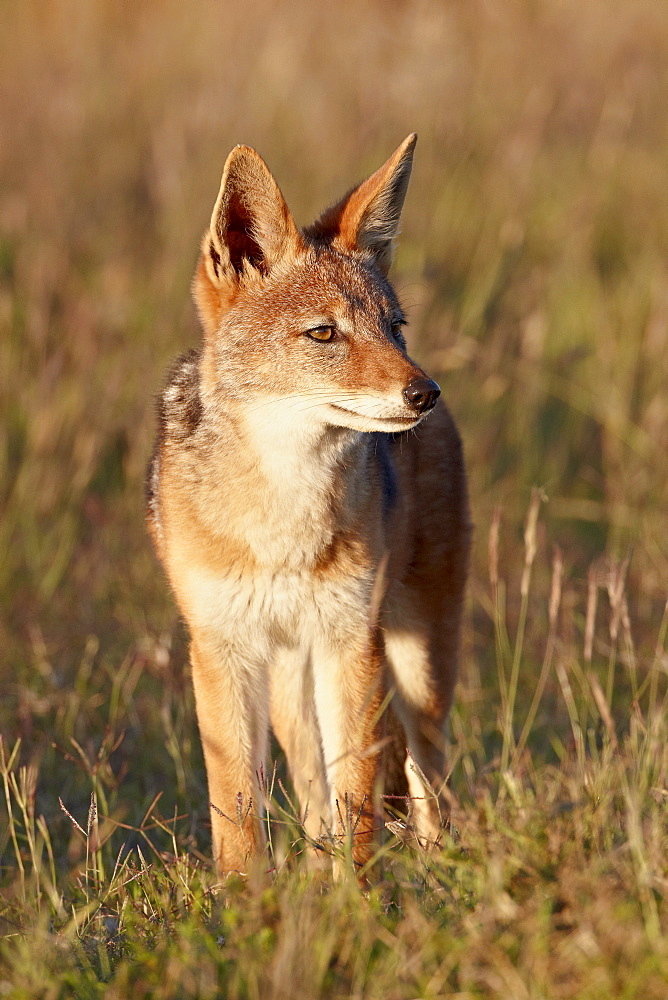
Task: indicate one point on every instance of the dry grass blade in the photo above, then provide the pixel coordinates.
(604, 709)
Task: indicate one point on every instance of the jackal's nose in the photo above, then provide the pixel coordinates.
(421, 394)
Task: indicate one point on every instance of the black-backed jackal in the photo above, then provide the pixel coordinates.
(307, 499)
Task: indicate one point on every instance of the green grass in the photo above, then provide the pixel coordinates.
(533, 268)
(550, 881)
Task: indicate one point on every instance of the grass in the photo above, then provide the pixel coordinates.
(532, 265)
(550, 882)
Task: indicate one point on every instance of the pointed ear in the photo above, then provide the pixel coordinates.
(251, 230)
(367, 218)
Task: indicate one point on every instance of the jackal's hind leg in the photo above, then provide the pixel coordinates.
(422, 702)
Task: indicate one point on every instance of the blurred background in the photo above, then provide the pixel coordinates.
(533, 267)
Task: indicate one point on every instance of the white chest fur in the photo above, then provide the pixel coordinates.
(279, 485)
(255, 613)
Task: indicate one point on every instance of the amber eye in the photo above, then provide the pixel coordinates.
(322, 333)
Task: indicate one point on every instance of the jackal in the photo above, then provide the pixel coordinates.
(307, 499)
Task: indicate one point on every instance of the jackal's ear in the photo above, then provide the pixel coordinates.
(251, 230)
(367, 218)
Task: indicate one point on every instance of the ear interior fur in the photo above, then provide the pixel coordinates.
(251, 230)
(367, 218)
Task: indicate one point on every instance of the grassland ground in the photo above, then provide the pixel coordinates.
(533, 269)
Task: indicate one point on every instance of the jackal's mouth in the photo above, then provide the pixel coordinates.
(399, 422)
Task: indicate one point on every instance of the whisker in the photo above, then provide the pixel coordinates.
(361, 404)
(313, 398)
(312, 394)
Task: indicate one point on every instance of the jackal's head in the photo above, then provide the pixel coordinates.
(305, 324)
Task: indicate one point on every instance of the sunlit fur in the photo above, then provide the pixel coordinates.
(312, 521)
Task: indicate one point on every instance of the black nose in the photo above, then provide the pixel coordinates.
(421, 394)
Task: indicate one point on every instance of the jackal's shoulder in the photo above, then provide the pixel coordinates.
(179, 416)
(180, 407)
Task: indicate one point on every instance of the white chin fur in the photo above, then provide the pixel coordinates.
(342, 417)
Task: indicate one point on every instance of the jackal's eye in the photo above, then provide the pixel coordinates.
(323, 334)
(395, 330)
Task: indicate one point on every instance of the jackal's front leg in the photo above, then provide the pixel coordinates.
(232, 711)
(349, 689)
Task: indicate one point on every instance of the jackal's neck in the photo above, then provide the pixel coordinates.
(298, 459)
(297, 487)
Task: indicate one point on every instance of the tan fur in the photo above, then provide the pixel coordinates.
(316, 538)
